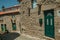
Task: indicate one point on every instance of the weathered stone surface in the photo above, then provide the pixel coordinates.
(30, 24)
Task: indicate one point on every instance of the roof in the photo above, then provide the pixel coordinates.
(12, 12)
(2, 13)
(15, 6)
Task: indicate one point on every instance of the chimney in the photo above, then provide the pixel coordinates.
(3, 8)
(19, 1)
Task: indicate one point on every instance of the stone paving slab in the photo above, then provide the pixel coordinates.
(27, 37)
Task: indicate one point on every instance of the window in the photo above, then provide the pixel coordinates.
(58, 13)
(1, 19)
(39, 9)
(3, 27)
(34, 2)
(28, 11)
(13, 16)
(13, 21)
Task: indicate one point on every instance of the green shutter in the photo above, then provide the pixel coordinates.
(5, 27)
(2, 27)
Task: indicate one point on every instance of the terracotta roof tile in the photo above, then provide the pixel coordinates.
(2, 13)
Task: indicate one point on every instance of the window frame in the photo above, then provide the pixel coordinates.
(33, 2)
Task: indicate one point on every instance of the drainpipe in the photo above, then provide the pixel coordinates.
(20, 28)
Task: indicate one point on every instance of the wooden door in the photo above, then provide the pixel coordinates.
(49, 23)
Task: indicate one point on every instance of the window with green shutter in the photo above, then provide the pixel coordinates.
(3, 27)
(28, 11)
(39, 9)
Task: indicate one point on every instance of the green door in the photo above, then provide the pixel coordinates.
(3, 27)
(14, 26)
(49, 23)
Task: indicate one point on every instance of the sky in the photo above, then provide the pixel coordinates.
(8, 3)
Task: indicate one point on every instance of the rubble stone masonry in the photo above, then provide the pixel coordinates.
(29, 23)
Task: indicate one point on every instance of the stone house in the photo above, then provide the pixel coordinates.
(38, 18)
(10, 19)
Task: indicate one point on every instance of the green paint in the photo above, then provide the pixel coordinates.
(3, 27)
(14, 26)
(49, 23)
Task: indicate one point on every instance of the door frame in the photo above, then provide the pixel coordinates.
(53, 22)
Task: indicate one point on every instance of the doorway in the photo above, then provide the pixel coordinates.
(49, 23)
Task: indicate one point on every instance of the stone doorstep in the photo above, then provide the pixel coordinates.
(33, 37)
(45, 37)
(16, 31)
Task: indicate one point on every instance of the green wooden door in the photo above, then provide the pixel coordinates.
(49, 23)
(3, 27)
(14, 26)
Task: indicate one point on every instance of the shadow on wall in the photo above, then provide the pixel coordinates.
(9, 36)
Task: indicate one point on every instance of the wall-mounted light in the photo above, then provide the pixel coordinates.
(40, 22)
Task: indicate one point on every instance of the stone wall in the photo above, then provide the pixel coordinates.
(30, 24)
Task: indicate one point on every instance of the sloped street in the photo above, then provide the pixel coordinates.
(17, 36)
